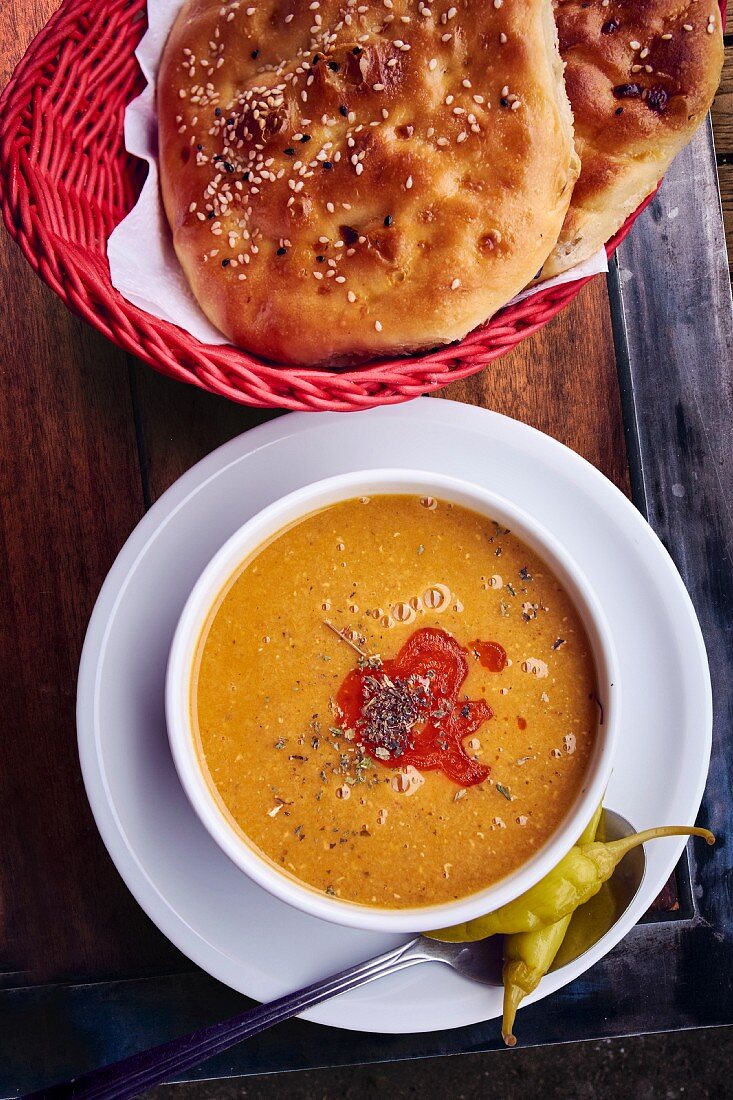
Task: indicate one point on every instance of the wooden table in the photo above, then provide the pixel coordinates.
(635, 375)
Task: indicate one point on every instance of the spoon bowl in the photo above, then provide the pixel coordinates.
(594, 919)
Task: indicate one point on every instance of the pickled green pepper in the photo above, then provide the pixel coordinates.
(578, 876)
(529, 955)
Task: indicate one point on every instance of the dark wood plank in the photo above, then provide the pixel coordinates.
(71, 492)
(563, 381)
(180, 424)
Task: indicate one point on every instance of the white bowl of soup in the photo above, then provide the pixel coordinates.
(392, 700)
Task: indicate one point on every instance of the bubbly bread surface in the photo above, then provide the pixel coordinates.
(346, 180)
(641, 75)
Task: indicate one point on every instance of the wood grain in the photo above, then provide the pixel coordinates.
(722, 111)
(181, 424)
(563, 381)
(71, 492)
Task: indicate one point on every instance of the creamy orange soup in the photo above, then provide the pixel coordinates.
(310, 746)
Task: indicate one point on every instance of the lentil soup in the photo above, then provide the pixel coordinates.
(394, 701)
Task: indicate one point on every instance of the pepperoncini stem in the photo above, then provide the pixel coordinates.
(608, 856)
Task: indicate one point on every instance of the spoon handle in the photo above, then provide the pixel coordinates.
(141, 1071)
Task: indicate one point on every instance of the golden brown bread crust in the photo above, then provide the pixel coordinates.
(349, 179)
(641, 75)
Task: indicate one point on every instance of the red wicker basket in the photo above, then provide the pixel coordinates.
(66, 180)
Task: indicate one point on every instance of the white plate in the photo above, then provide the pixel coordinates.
(215, 915)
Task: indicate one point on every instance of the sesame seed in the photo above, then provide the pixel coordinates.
(378, 326)
(455, 284)
(351, 296)
(408, 182)
(378, 87)
(635, 45)
(432, 64)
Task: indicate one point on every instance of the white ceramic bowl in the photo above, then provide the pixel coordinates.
(241, 546)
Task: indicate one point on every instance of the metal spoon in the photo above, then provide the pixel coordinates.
(591, 921)
(481, 962)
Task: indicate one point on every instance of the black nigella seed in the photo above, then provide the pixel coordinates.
(289, 152)
(246, 175)
(225, 263)
(199, 146)
(217, 157)
(281, 251)
(357, 50)
(388, 220)
(657, 99)
(343, 110)
(227, 166)
(316, 58)
(627, 91)
(320, 259)
(619, 111)
(305, 137)
(230, 122)
(255, 54)
(610, 27)
(217, 112)
(327, 165)
(504, 102)
(334, 66)
(210, 214)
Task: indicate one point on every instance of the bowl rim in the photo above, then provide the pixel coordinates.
(213, 580)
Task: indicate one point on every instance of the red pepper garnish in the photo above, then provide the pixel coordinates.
(491, 655)
(407, 711)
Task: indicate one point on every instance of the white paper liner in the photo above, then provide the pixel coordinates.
(143, 264)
